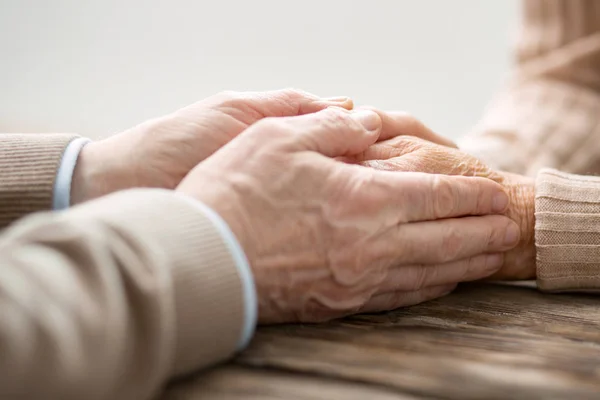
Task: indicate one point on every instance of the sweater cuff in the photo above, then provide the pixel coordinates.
(243, 268)
(28, 167)
(567, 231)
(208, 289)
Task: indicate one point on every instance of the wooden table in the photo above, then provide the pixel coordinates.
(484, 341)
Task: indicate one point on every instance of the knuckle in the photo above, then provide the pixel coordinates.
(294, 93)
(495, 231)
(471, 267)
(334, 119)
(412, 143)
(473, 264)
(479, 199)
(421, 277)
(492, 236)
(451, 245)
(273, 128)
(336, 114)
(230, 99)
(406, 144)
(482, 191)
(444, 199)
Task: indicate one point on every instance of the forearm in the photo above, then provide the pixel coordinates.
(547, 116)
(111, 299)
(539, 124)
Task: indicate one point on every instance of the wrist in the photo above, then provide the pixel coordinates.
(91, 175)
(519, 263)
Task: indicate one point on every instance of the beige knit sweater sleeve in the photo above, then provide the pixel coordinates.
(111, 299)
(549, 113)
(549, 116)
(28, 167)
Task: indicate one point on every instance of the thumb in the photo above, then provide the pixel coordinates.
(335, 132)
(399, 123)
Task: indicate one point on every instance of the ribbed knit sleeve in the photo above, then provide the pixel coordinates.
(28, 167)
(567, 231)
(112, 298)
(548, 115)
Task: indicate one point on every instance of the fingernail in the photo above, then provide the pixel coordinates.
(511, 237)
(500, 202)
(494, 261)
(338, 99)
(369, 119)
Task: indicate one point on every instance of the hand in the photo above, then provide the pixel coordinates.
(326, 239)
(160, 152)
(407, 153)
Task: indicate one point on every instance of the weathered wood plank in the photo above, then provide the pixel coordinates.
(235, 382)
(483, 341)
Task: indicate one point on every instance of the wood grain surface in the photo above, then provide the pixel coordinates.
(484, 341)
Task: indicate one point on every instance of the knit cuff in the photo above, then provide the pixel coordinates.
(567, 231)
(28, 167)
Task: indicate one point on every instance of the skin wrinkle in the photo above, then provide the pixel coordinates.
(333, 228)
(377, 218)
(326, 299)
(348, 272)
(195, 132)
(351, 273)
(349, 277)
(318, 291)
(443, 204)
(406, 153)
(403, 277)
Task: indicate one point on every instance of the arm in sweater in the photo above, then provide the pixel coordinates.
(112, 298)
(549, 113)
(549, 116)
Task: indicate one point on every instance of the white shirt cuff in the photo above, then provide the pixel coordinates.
(62, 186)
(243, 267)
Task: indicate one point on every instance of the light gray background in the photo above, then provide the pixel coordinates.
(96, 67)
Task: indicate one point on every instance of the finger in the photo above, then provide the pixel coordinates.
(278, 103)
(333, 132)
(431, 163)
(417, 277)
(292, 102)
(423, 197)
(407, 163)
(401, 147)
(453, 239)
(399, 123)
(393, 300)
(385, 198)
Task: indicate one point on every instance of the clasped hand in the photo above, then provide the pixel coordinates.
(325, 237)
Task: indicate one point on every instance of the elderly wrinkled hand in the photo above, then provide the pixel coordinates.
(326, 239)
(160, 152)
(410, 153)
